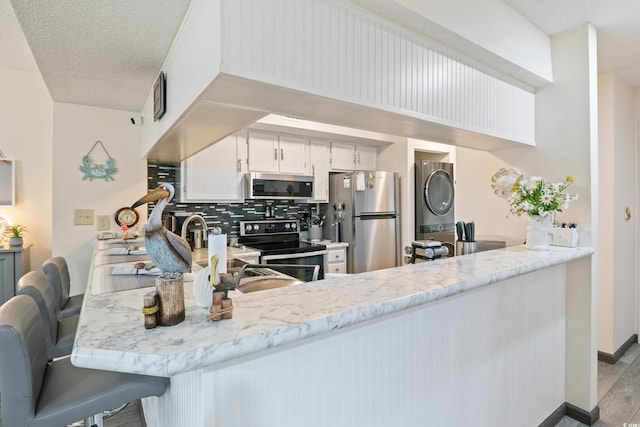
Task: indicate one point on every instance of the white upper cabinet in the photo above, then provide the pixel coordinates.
(346, 156)
(294, 155)
(263, 152)
(215, 173)
(319, 160)
(366, 157)
(277, 154)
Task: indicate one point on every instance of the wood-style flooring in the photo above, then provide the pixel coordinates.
(130, 416)
(618, 397)
(618, 393)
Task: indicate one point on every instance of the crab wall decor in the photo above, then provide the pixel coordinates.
(93, 171)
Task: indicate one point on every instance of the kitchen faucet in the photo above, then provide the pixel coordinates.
(199, 236)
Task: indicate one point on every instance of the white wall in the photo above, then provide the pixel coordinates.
(25, 136)
(475, 200)
(485, 22)
(191, 64)
(606, 101)
(48, 141)
(617, 259)
(566, 113)
(76, 128)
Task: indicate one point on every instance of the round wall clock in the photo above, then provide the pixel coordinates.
(127, 216)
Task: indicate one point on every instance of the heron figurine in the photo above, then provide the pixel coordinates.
(168, 251)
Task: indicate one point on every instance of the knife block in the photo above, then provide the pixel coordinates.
(465, 248)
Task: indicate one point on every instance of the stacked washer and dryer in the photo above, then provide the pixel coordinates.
(435, 193)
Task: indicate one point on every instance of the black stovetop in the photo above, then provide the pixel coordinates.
(275, 237)
(284, 247)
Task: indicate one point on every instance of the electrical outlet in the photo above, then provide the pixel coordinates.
(103, 222)
(83, 217)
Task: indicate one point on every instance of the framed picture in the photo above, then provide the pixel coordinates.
(7, 182)
(159, 97)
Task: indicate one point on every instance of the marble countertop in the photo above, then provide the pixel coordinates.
(331, 245)
(111, 334)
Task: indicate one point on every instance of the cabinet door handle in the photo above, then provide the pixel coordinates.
(282, 154)
(275, 152)
(358, 156)
(239, 165)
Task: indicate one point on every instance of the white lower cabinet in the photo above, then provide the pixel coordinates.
(335, 261)
(215, 173)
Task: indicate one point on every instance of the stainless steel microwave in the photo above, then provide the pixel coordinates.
(276, 186)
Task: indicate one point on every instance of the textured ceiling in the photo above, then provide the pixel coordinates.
(104, 53)
(617, 23)
(107, 53)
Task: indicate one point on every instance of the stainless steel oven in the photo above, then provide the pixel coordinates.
(305, 258)
(278, 243)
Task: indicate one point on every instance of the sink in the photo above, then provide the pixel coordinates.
(235, 265)
(261, 277)
(262, 283)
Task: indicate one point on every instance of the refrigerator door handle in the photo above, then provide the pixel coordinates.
(377, 215)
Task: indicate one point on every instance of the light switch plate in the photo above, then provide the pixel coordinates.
(83, 217)
(103, 222)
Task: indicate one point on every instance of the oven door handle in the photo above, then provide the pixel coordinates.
(292, 256)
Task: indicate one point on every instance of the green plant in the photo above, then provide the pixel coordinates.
(16, 230)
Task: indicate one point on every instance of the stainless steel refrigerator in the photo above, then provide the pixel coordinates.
(371, 224)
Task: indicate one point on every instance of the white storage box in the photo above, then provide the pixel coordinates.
(564, 237)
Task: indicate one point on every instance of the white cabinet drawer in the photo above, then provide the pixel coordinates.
(335, 261)
(336, 256)
(336, 268)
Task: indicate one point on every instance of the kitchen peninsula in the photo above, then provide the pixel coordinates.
(497, 338)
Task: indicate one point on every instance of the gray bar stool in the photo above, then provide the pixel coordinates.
(39, 393)
(57, 272)
(61, 332)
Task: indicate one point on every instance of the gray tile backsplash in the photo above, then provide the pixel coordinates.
(228, 215)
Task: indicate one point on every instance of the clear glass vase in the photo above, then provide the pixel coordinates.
(539, 232)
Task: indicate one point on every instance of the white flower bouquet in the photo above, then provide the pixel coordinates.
(531, 196)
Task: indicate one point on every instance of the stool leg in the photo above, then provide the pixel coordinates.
(112, 412)
(94, 421)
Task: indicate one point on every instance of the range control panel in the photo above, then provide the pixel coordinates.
(257, 228)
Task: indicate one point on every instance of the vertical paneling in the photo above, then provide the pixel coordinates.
(338, 50)
(490, 357)
(176, 406)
